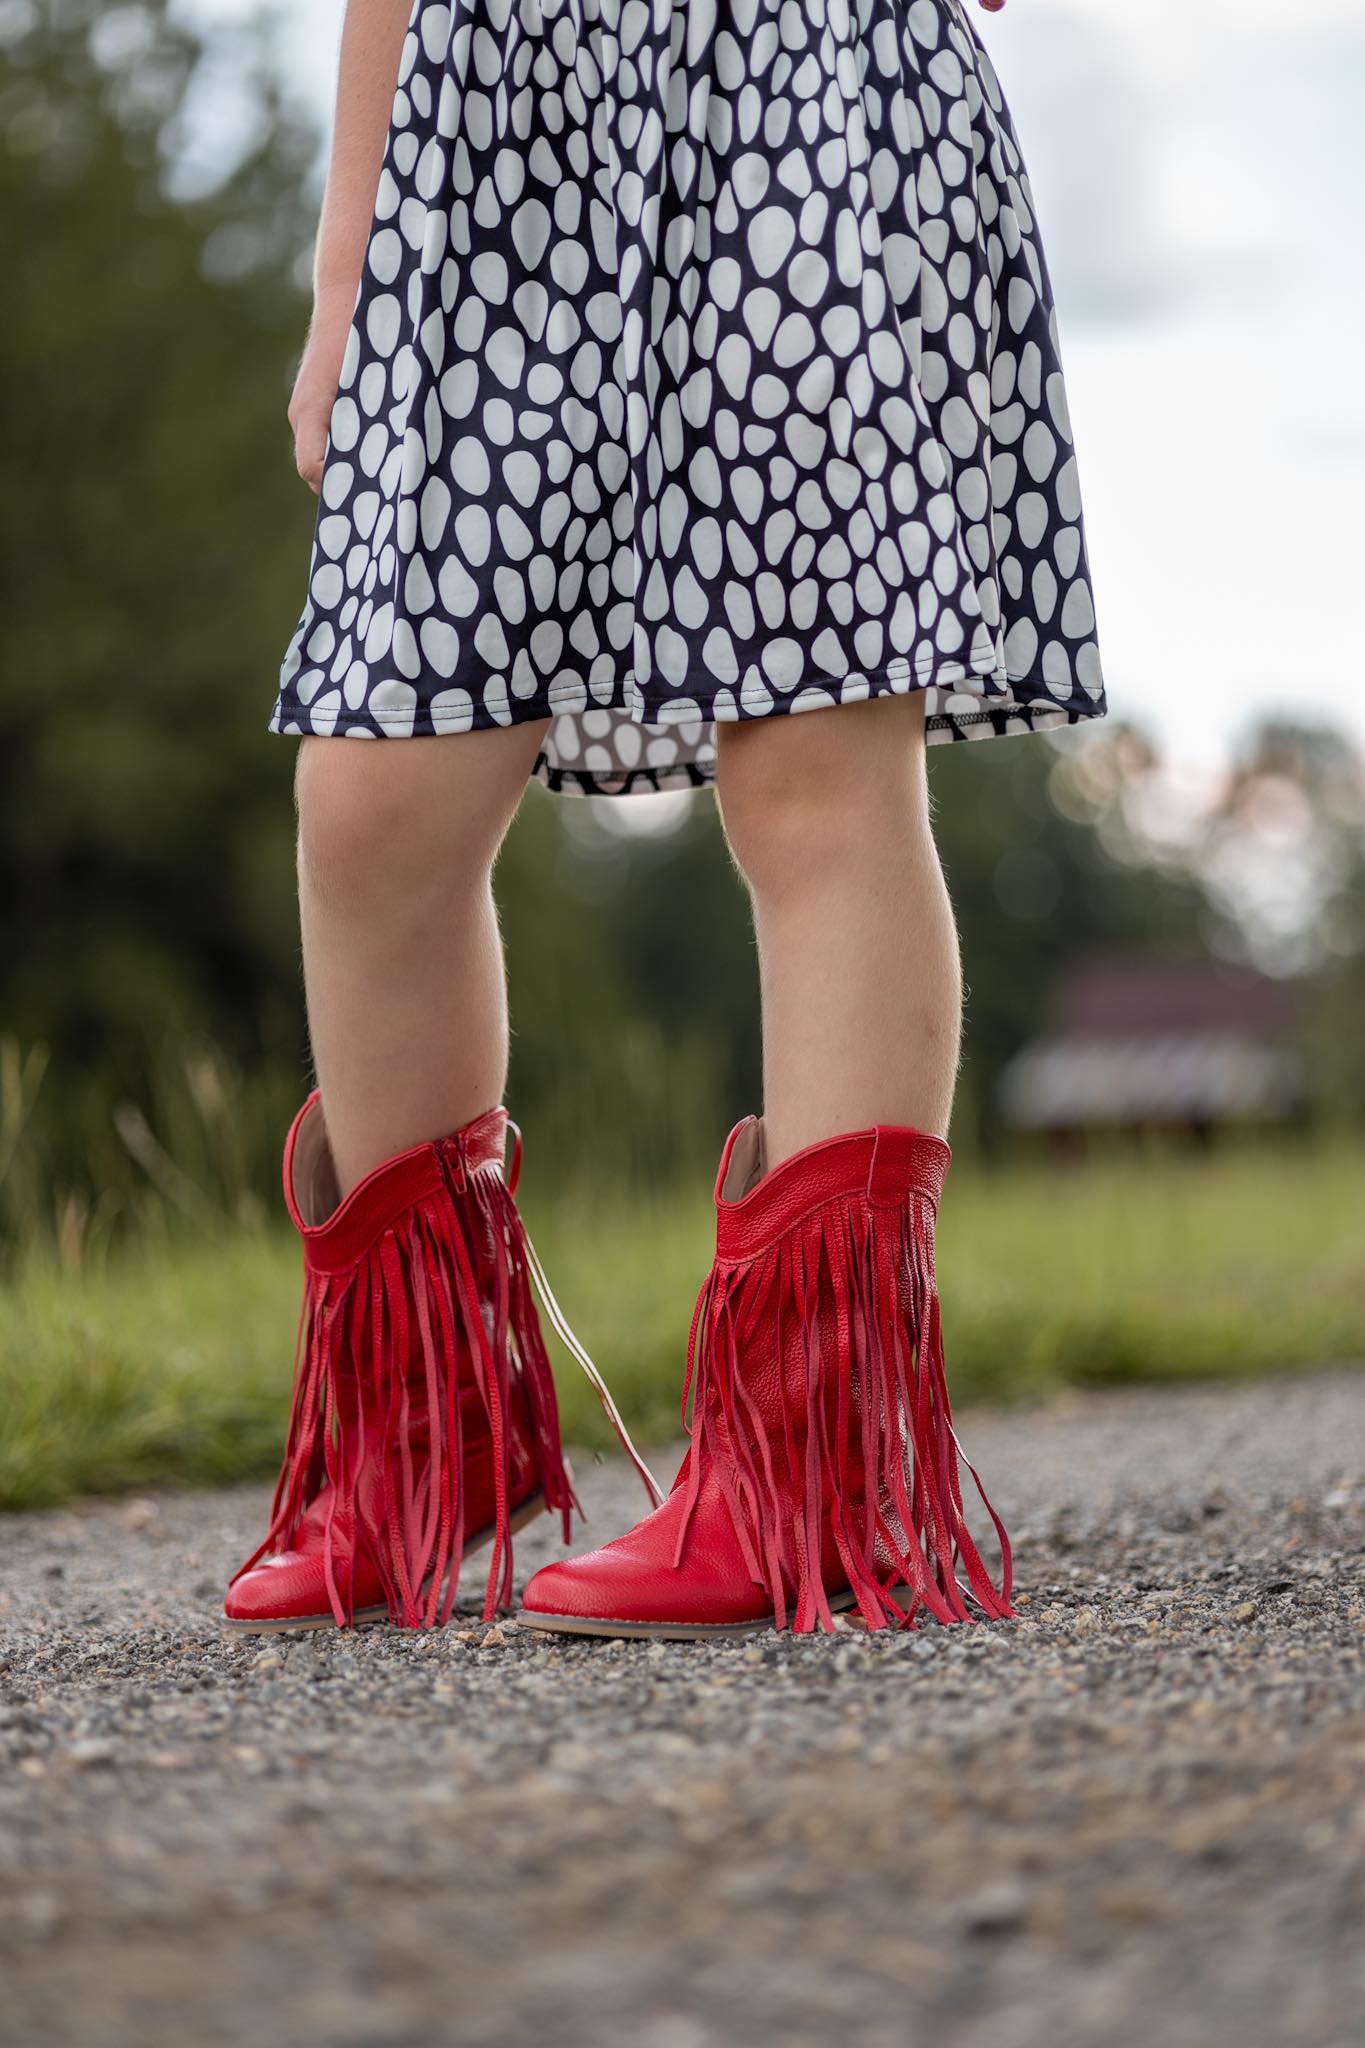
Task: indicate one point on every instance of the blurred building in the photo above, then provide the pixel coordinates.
(1190, 1047)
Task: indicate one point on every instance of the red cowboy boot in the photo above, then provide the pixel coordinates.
(823, 1466)
(425, 1423)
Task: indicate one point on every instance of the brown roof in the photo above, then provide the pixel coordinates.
(1128, 998)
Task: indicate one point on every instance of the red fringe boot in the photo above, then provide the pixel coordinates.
(424, 1421)
(823, 1469)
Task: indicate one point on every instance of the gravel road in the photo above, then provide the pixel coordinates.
(1137, 1815)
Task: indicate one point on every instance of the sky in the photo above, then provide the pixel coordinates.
(1197, 167)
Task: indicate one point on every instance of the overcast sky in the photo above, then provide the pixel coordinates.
(1198, 167)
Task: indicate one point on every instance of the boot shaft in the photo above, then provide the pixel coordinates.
(820, 1401)
(423, 1393)
(822, 1471)
(424, 1411)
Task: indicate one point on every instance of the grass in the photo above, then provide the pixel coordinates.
(170, 1360)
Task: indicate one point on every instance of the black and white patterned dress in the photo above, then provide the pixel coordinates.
(704, 366)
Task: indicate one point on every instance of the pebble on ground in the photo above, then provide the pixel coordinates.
(1135, 1815)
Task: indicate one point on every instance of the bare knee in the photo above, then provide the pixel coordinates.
(823, 793)
(381, 825)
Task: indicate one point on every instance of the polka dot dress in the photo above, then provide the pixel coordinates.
(703, 367)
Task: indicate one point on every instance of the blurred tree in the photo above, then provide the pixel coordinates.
(1276, 855)
(1284, 857)
(1035, 885)
(152, 533)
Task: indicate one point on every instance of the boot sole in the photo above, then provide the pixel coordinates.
(303, 1624)
(661, 1631)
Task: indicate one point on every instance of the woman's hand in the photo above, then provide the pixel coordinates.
(315, 388)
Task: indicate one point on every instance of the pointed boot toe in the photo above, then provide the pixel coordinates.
(287, 1589)
(637, 1586)
(605, 1594)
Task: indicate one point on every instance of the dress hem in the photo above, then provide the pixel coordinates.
(1035, 710)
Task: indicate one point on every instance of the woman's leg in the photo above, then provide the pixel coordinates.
(423, 1401)
(827, 815)
(822, 1467)
(407, 1006)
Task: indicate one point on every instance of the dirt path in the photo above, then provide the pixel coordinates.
(1137, 1816)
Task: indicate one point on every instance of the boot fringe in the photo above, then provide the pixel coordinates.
(880, 1457)
(476, 1325)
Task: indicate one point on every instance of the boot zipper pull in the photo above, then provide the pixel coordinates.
(453, 1164)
